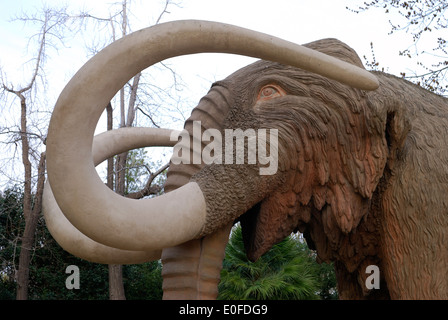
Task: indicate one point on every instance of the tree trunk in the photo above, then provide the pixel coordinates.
(31, 212)
(25, 255)
(24, 258)
(116, 288)
(110, 161)
(28, 235)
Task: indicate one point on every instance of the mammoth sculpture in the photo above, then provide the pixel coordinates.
(362, 166)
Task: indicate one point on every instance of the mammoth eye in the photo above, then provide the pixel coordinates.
(270, 91)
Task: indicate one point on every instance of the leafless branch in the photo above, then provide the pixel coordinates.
(167, 3)
(132, 100)
(149, 117)
(15, 132)
(149, 189)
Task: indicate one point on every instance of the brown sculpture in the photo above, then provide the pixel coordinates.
(363, 174)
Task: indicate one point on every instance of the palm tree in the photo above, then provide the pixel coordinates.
(286, 272)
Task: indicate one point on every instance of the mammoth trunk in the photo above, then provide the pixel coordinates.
(210, 113)
(192, 270)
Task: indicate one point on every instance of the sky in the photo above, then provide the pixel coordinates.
(299, 21)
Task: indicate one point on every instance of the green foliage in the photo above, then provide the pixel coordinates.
(48, 261)
(143, 281)
(48, 276)
(286, 272)
(11, 226)
(138, 170)
(327, 280)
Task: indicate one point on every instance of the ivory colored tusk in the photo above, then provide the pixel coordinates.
(105, 145)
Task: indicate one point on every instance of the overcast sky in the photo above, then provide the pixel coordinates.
(299, 21)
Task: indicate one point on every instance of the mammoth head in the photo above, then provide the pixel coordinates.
(329, 157)
(330, 152)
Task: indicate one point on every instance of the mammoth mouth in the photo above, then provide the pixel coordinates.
(249, 224)
(270, 221)
(260, 231)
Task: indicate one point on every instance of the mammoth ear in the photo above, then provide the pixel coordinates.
(397, 129)
(349, 198)
(337, 49)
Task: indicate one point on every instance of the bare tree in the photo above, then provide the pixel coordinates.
(54, 27)
(421, 19)
(32, 201)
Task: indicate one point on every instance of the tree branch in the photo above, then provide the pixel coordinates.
(148, 189)
(149, 116)
(132, 100)
(167, 3)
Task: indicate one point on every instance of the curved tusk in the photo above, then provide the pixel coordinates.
(105, 145)
(76, 243)
(178, 216)
(113, 142)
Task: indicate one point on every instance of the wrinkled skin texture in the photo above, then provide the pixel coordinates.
(363, 175)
